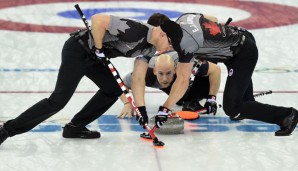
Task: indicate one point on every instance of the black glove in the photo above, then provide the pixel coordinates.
(211, 105)
(143, 119)
(162, 116)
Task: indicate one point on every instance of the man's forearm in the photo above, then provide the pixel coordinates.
(138, 91)
(138, 82)
(123, 98)
(214, 78)
(177, 92)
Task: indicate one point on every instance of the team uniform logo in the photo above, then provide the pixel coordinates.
(231, 71)
(212, 27)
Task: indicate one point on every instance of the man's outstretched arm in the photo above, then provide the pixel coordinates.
(180, 85)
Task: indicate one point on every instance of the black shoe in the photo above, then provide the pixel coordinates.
(3, 134)
(289, 124)
(193, 105)
(236, 119)
(72, 131)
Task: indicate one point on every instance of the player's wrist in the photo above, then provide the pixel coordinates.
(99, 53)
(211, 98)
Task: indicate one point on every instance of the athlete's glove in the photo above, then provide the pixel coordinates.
(143, 119)
(162, 116)
(98, 55)
(211, 105)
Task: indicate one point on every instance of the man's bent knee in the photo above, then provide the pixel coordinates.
(230, 110)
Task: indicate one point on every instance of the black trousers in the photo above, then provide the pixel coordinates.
(75, 64)
(199, 90)
(238, 92)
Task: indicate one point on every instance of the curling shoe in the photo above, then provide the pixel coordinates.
(3, 134)
(236, 119)
(288, 124)
(72, 131)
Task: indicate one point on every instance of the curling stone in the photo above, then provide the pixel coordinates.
(174, 125)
